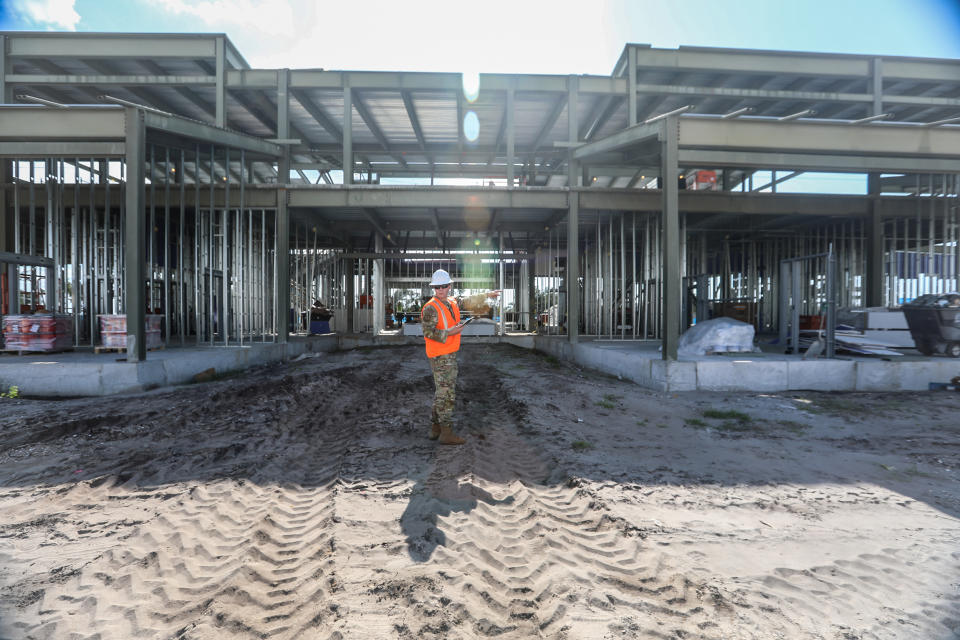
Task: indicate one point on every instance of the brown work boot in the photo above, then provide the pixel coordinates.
(447, 436)
(434, 431)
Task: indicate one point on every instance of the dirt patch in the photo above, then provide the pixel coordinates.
(305, 500)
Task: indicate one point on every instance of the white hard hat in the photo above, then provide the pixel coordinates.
(440, 277)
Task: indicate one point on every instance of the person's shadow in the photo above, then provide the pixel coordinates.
(441, 493)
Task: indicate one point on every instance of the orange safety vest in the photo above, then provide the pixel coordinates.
(445, 321)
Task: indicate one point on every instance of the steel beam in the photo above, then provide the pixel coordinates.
(436, 228)
(27, 260)
(110, 79)
(549, 123)
(753, 62)
(378, 224)
(371, 123)
(638, 134)
(318, 114)
(817, 162)
(62, 149)
(135, 237)
(25, 122)
(414, 120)
(199, 131)
(105, 45)
(209, 110)
(827, 138)
(427, 197)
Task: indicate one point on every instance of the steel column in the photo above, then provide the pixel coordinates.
(283, 123)
(671, 238)
(502, 287)
(874, 284)
(5, 97)
(831, 302)
(221, 115)
(282, 294)
(631, 86)
(379, 308)
(347, 131)
(511, 138)
(4, 69)
(573, 218)
(877, 77)
(135, 236)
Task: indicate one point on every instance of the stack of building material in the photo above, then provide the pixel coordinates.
(879, 325)
(113, 331)
(44, 332)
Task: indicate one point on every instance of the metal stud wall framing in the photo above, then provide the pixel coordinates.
(71, 210)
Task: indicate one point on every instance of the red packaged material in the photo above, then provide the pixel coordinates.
(38, 332)
(113, 331)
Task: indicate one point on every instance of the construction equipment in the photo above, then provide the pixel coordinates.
(934, 321)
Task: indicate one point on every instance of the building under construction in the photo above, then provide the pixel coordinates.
(159, 183)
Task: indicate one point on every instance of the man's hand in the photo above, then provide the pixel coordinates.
(493, 294)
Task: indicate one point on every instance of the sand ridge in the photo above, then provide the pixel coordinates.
(304, 501)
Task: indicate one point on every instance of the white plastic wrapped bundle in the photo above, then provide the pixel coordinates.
(720, 335)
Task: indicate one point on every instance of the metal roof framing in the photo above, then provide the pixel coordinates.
(553, 149)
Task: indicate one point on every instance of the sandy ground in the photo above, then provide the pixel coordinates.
(305, 501)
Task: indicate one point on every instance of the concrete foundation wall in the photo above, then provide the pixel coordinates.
(725, 373)
(102, 374)
(98, 375)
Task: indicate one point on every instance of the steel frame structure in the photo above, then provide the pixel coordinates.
(574, 182)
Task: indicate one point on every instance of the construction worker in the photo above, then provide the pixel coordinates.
(441, 333)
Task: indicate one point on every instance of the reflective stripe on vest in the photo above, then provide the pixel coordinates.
(444, 321)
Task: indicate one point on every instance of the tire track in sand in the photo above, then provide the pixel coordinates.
(520, 552)
(249, 557)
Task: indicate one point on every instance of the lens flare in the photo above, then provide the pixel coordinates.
(471, 126)
(471, 85)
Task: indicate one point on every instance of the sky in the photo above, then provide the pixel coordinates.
(517, 36)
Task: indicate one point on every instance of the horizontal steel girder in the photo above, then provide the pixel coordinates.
(441, 197)
(21, 124)
(103, 80)
(815, 162)
(709, 59)
(102, 45)
(846, 143)
(54, 149)
(31, 122)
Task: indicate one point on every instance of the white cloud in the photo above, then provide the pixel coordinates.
(270, 18)
(422, 35)
(52, 14)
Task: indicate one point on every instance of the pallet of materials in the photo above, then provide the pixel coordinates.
(113, 332)
(39, 332)
(879, 325)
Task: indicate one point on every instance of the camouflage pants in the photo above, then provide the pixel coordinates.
(445, 380)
